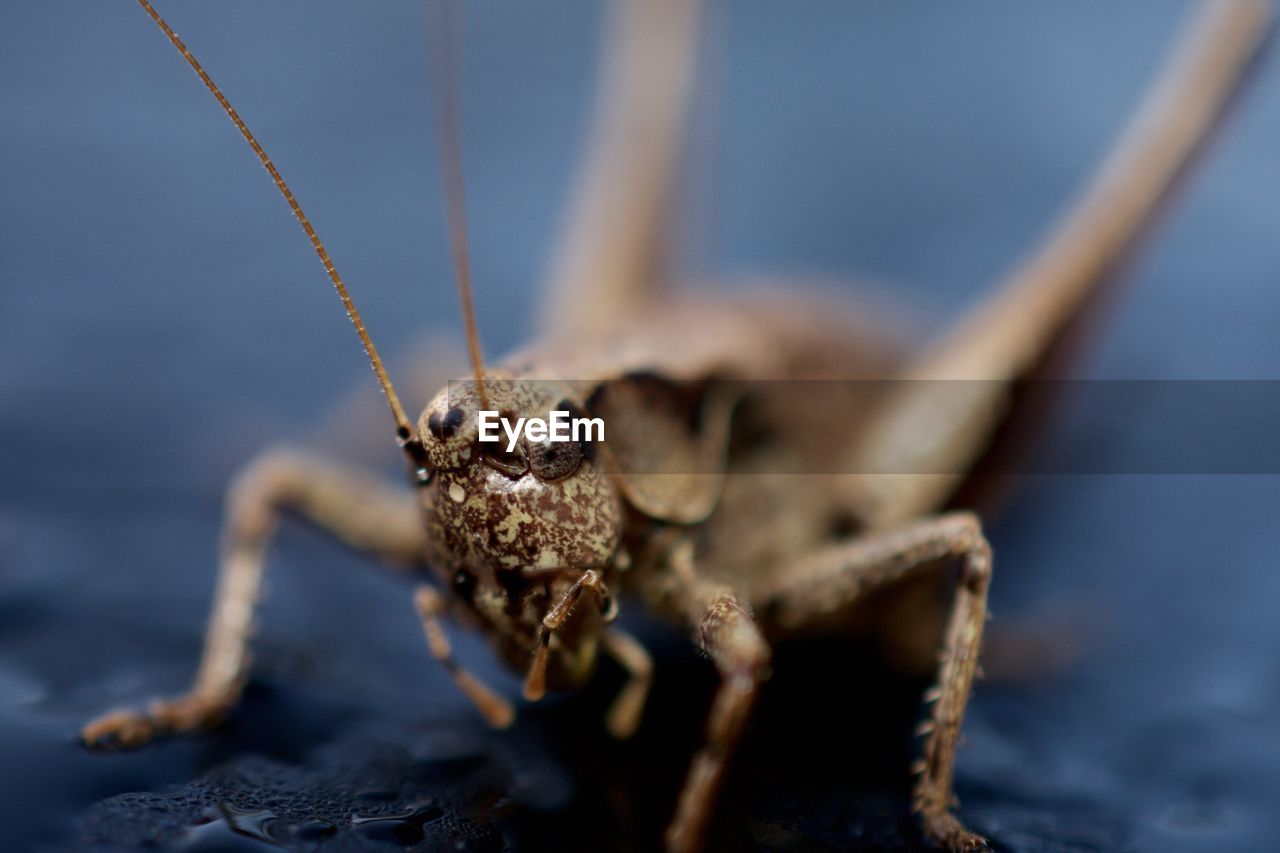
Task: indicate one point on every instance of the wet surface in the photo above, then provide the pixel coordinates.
(160, 320)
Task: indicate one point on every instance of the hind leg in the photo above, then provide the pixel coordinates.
(351, 505)
(611, 259)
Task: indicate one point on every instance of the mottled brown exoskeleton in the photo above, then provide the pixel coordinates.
(691, 505)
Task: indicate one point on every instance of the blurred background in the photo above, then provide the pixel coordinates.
(162, 319)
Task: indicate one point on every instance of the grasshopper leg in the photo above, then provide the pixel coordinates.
(351, 505)
(832, 579)
(611, 258)
(497, 711)
(624, 715)
(919, 449)
(727, 632)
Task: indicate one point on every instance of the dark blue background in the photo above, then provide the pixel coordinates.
(161, 318)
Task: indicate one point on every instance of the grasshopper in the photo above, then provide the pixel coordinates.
(681, 507)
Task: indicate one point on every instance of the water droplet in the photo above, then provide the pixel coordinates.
(313, 830)
(232, 829)
(403, 829)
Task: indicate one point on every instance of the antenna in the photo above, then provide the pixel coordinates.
(446, 88)
(404, 428)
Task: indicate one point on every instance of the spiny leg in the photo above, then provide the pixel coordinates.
(351, 505)
(832, 579)
(497, 711)
(726, 631)
(535, 684)
(624, 715)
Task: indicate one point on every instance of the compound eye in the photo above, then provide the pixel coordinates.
(554, 460)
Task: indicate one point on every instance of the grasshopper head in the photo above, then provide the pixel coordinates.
(512, 524)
